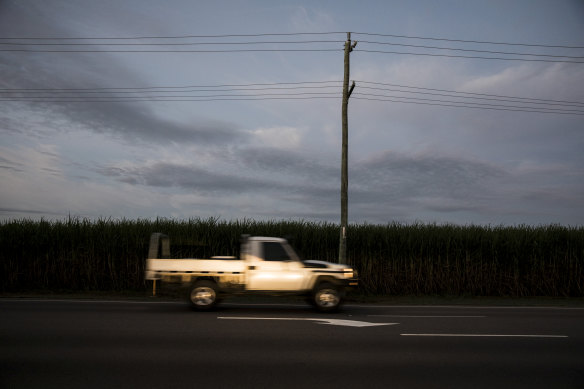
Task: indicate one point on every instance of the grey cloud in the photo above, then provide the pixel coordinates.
(10, 165)
(211, 183)
(133, 121)
(423, 175)
(401, 187)
(10, 168)
(188, 177)
(17, 211)
(289, 163)
(9, 125)
(390, 186)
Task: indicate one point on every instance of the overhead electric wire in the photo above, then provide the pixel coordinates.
(177, 93)
(467, 56)
(173, 87)
(56, 94)
(357, 96)
(466, 106)
(169, 44)
(26, 92)
(166, 51)
(510, 100)
(294, 34)
(15, 44)
(466, 93)
(183, 100)
(526, 104)
(271, 42)
(192, 93)
(125, 98)
(175, 36)
(290, 90)
(472, 104)
(470, 41)
(220, 87)
(295, 96)
(297, 50)
(473, 50)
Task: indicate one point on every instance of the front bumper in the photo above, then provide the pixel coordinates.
(349, 283)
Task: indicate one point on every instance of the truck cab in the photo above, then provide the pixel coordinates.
(272, 264)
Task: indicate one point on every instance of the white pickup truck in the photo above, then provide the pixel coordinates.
(267, 265)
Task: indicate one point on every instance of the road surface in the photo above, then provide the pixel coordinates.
(156, 344)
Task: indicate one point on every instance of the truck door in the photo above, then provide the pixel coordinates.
(277, 269)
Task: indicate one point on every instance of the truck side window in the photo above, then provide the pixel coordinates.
(274, 251)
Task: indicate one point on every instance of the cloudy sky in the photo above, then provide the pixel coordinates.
(229, 128)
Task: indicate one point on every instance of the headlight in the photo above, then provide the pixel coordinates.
(348, 273)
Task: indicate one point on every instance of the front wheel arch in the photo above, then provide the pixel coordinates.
(327, 297)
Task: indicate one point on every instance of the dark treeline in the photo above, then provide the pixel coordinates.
(394, 259)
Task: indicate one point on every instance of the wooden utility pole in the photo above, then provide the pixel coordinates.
(349, 46)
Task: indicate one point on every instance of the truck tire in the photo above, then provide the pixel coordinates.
(203, 296)
(327, 297)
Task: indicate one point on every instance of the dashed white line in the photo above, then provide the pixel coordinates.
(430, 316)
(488, 335)
(85, 301)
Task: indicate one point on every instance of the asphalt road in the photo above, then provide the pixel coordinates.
(101, 344)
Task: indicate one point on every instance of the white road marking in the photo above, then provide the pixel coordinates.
(466, 306)
(334, 322)
(426, 316)
(85, 301)
(488, 335)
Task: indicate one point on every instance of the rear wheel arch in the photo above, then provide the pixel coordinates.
(203, 294)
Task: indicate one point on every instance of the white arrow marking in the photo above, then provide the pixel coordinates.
(334, 322)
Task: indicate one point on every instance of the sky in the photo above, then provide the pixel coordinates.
(434, 136)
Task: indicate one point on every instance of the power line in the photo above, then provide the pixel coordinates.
(171, 91)
(176, 87)
(291, 89)
(470, 57)
(170, 44)
(287, 90)
(180, 100)
(175, 36)
(472, 104)
(278, 42)
(472, 50)
(308, 50)
(292, 34)
(467, 93)
(165, 51)
(122, 95)
(125, 98)
(471, 41)
(510, 100)
(61, 42)
(359, 96)
(466, 106)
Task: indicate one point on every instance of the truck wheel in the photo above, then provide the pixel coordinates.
(203, 295)
(327, 297)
